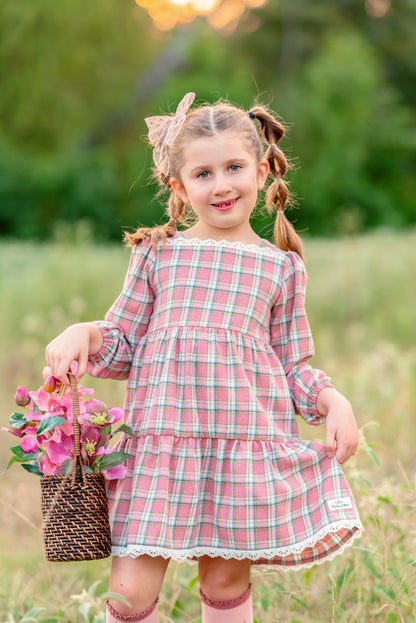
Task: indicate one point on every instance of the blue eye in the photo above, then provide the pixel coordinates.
(203, 175)
(235, 167)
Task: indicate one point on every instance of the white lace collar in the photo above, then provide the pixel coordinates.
(265, 248)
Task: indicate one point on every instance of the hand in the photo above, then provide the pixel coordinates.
(76, 343)
(341, 427)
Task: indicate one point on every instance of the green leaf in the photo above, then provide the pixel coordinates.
(371, 454)
(264, 603)
(49, 423)
(344, 577)
(17, 420)
(26, 456)
(111, 460)
(31, 616)
(368, 561)
(32, 468)
(192, 583)
(124, 429)
(115, 596)
(14, 459)
(67, 467)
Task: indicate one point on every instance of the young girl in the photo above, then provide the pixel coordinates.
(211, 332)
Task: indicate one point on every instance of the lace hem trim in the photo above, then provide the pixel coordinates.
(197, 242)
(184, 555)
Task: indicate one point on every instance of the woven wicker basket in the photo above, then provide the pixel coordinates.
(74, 508)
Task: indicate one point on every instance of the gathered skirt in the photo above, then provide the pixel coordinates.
(274, 503)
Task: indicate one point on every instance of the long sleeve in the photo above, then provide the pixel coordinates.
(292, 341)
(127, 319)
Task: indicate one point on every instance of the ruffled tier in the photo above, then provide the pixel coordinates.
(275, 503)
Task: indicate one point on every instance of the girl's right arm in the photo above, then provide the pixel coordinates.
(77, 342)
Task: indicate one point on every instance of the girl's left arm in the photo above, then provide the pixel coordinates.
(292, 342)
(313, 395)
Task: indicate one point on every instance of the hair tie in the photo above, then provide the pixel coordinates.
(251, 115)
(163, 131)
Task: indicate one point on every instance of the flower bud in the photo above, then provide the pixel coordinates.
(50, 384)
(21, 396)
(29, 443)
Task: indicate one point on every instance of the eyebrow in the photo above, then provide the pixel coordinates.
(203, 167)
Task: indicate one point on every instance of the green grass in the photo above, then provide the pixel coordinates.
(362, 312)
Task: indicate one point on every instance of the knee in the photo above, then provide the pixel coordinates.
(135, 599)
(138, 581)
(223, 582)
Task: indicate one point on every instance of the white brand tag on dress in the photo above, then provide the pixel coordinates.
(338, 504)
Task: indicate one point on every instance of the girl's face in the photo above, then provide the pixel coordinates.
(220, 178)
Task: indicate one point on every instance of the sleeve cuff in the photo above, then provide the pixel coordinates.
(313, 416)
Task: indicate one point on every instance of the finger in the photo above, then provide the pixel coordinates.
(82, 365)
(46, 372)
(330, 443)
(48, 357)
(62, 370)
(342, 453)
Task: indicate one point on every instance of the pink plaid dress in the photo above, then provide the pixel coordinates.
(215, 343)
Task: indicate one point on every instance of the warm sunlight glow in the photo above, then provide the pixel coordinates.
(222, 14)
(377, 8)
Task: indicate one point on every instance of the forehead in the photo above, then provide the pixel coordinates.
(223, 146)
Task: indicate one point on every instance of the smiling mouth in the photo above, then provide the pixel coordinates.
(225, 205)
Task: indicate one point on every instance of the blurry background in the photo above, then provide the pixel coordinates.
(77, 79)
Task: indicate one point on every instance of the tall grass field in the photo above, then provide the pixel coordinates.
(362, 310)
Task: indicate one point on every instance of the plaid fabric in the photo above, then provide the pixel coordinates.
(215, 343)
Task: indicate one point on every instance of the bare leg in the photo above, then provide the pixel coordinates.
(223, 580)
(138, 580)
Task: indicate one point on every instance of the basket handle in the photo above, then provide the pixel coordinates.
(77, 431)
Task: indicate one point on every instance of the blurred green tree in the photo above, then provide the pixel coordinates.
(78, 79)
(353, 138)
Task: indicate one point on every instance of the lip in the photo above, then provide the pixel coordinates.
(224, 206)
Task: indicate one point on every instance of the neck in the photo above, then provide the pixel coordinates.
(246, 234)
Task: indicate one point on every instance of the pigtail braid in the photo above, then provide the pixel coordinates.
(175, 210)
(278, 193)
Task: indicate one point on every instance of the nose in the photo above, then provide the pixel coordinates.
(222, 184)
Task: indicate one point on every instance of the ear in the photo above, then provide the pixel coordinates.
(179, 189)
(262, 173)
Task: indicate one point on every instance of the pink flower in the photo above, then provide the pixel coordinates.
(98, 415)
(29, 443)
(89, 439)
(59, 446)
(50, 384)
(21, 396)
(55, 443)
(13, 431)
(115, 473)
(30, 430)
(41, 399)
(34, 417)
(57, 453)
(47, 467)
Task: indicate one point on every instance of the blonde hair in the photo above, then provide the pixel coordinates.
(209, 120)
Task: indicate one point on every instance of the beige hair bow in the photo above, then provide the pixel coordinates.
(164, 130)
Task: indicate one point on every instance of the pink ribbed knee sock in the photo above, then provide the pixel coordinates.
(238, 610)
(148, 616)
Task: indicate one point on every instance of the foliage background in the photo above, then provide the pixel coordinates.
(78, 79)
